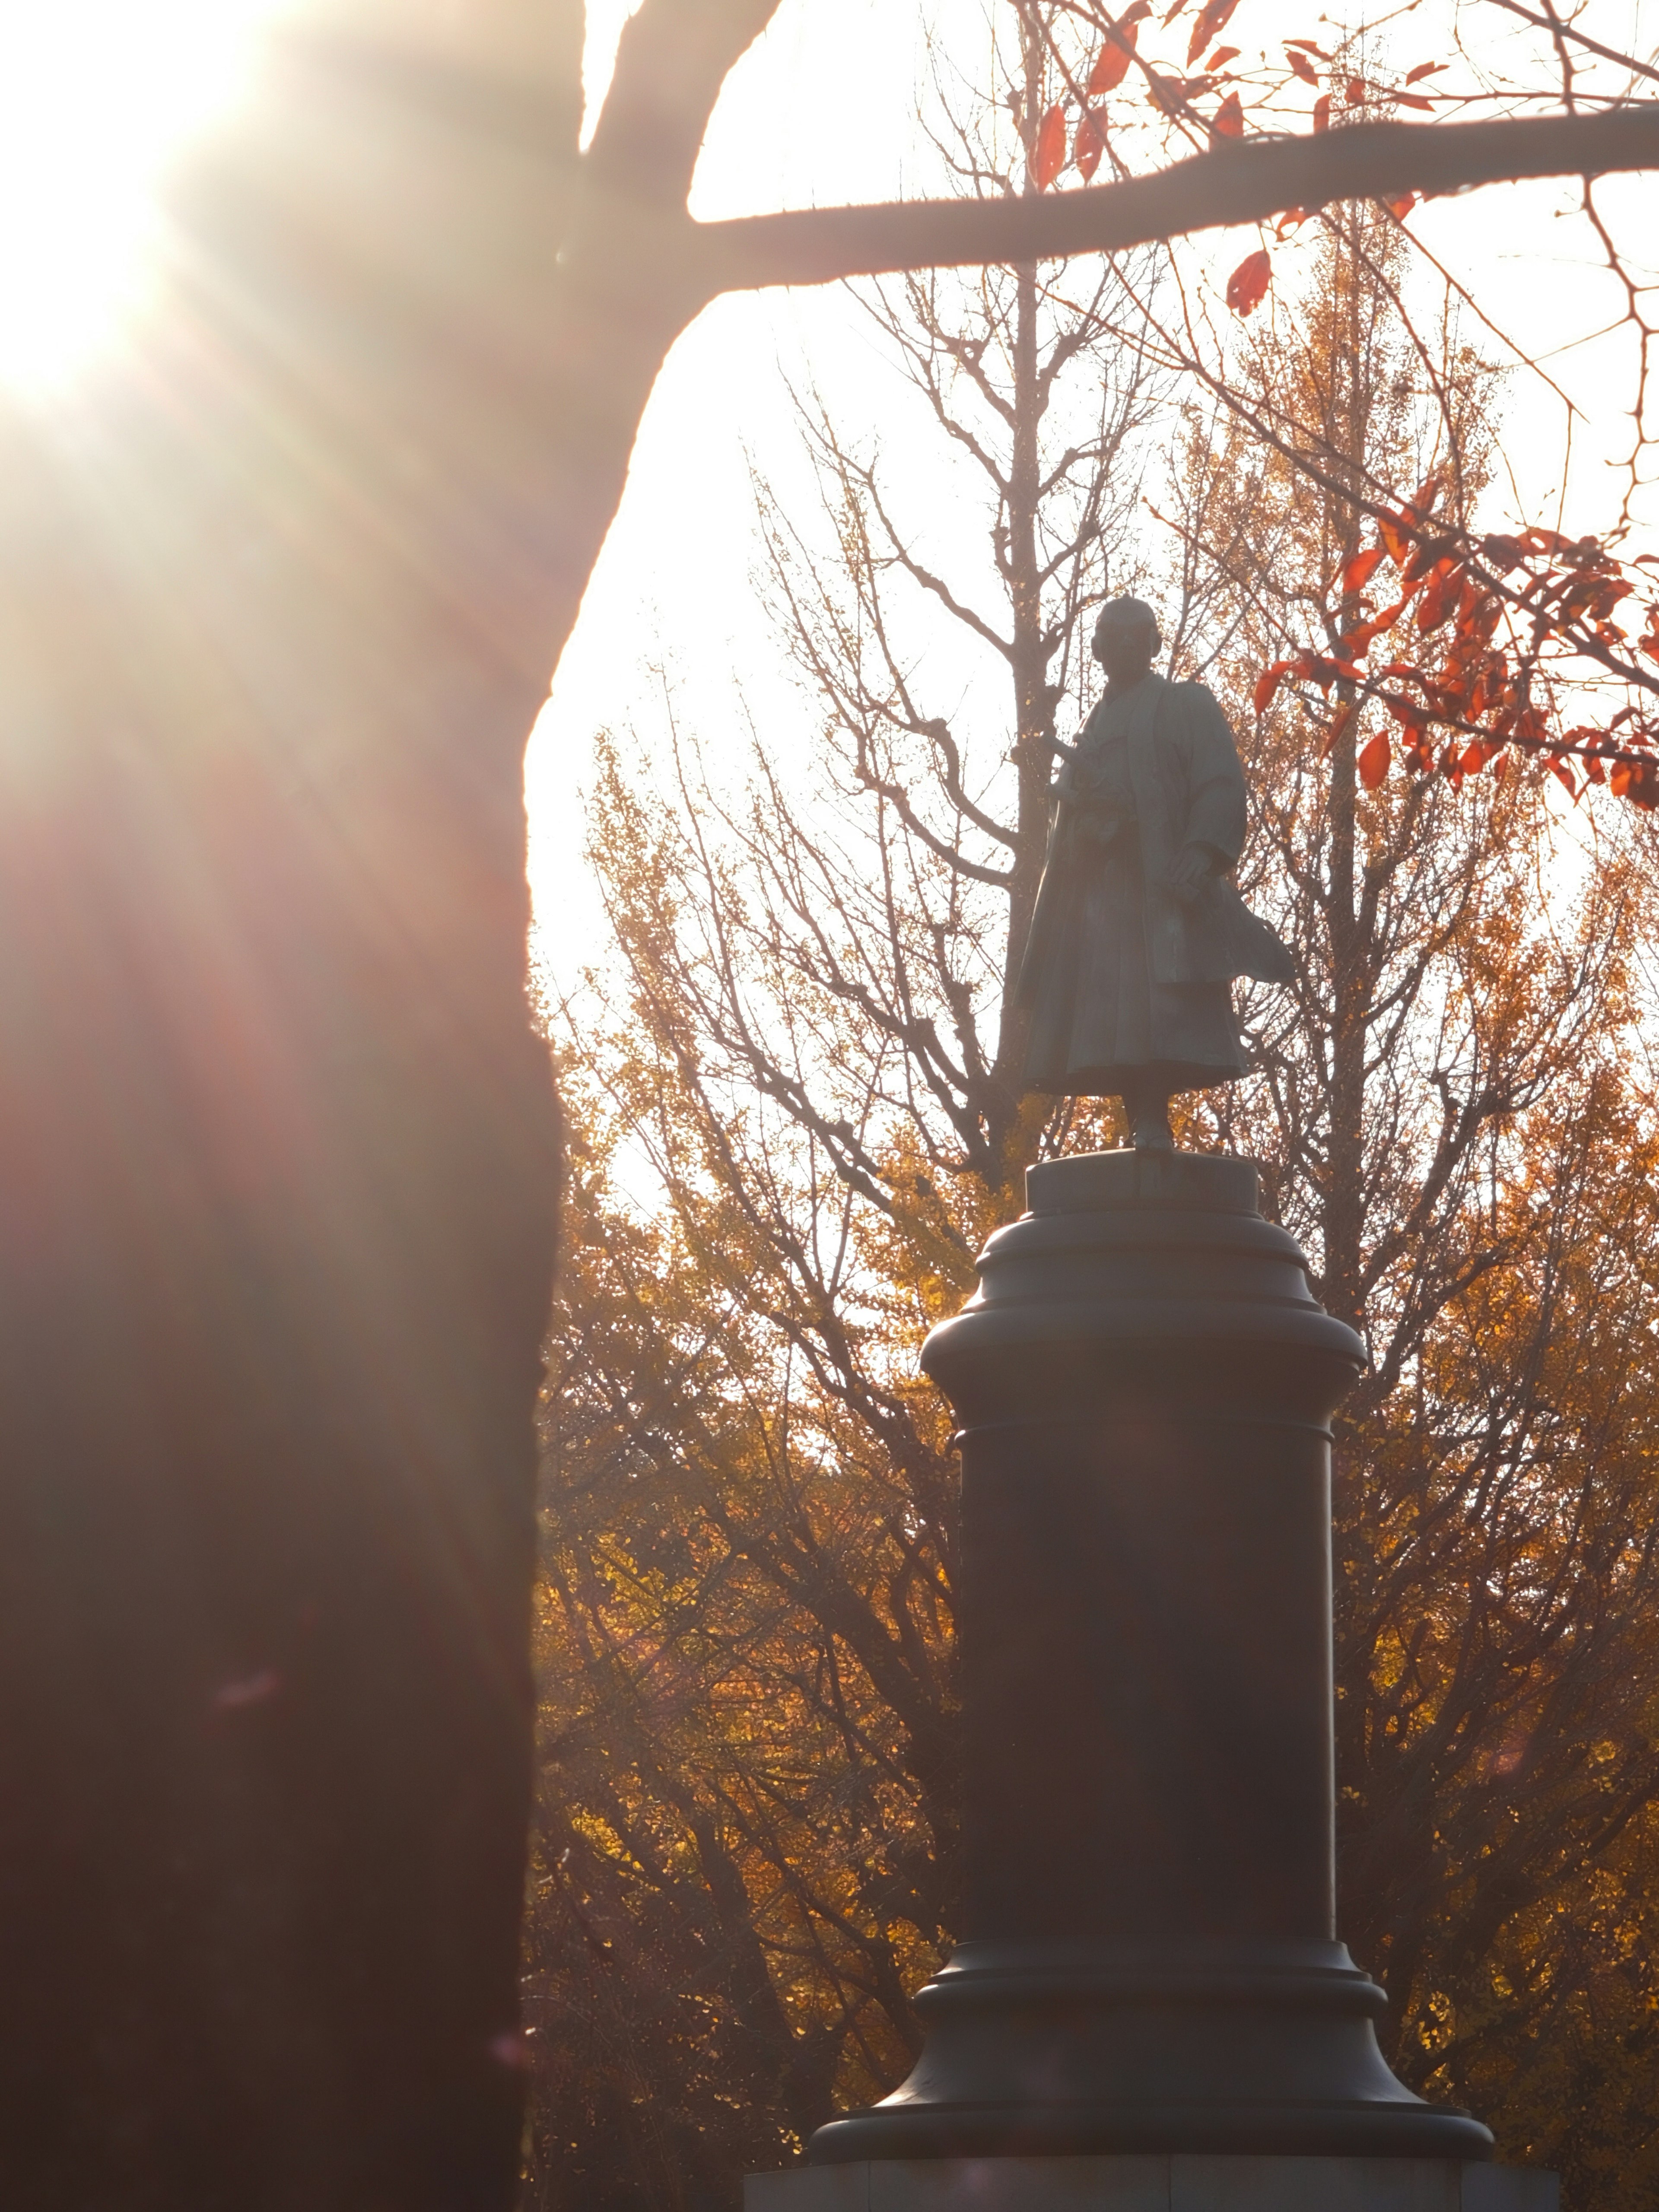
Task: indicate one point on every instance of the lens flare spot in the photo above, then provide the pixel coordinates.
(96, 96)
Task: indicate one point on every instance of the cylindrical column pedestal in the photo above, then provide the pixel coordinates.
(1145, 1384)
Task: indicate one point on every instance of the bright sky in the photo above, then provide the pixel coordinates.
(94, 97)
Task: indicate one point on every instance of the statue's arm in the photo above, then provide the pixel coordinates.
(1216, 813)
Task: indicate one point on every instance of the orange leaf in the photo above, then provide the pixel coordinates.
(1112, 65)
(1228, 121)
(1360, 570)
(1374, 760)
(1322, 112)
(1248, 285)
(1310, 45)
(1413, 100)
(1221, 57)
(1212, 19)
(1050, 155)
(1090, 142)
(1560, 768)
(1355, 93)
(1303, 67)
(1288, 222)
(1423, 69)
(1400, 208)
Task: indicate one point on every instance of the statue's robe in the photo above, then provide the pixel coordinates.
(1122, 977)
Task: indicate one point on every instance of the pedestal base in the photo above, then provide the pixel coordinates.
(1162, 2183)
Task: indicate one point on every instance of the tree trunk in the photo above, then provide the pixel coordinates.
(277, 1182)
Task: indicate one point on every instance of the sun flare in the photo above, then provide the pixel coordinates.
(94, 96)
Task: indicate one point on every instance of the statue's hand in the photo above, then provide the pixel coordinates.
(1192, 867)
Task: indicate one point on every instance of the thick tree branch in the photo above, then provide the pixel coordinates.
(1241, 182)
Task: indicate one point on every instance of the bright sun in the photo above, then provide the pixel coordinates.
(95, 94)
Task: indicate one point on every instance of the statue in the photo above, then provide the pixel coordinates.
(1137, 931)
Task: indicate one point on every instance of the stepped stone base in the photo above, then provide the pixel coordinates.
(1159, 2184)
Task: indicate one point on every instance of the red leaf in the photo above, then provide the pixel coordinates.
(1228, 121)
(1221, 57)
(1268, 683)
(1311, 46)
(1445, 584)
(1288, 222)
(1322, 112)
(1413, 100)
(1248, 285)
(1339, 722)
(1090, 142)
(1636, 780)
(1391, 529)
(1112, 65)
(1303, 67)
(1360, 570)
(1400, 208)
(1502, 552)
(1374, 760)
(1423, 69)
(1355, 94)
(1212, 20)
(1357, 640)
(1050, 155)
(1559, 769)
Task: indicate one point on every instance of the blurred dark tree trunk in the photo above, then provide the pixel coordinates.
(277, 1163)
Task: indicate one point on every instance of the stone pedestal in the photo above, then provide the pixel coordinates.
(1155, 2184)
(1145, 1384)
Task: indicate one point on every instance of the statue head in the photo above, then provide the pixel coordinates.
(1126, 638)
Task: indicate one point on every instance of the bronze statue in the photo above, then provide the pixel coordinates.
(1139, 930)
